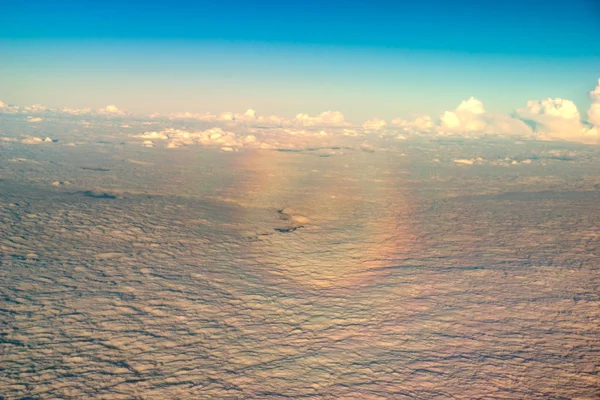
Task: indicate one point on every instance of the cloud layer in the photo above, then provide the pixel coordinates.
(546, 119)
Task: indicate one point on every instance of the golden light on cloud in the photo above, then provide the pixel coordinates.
(298, 237)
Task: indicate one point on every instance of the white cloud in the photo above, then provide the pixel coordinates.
(450, 120)
(248, 116)
(595, 94)
(594, 114)
(187, 115)
(251, 116)
(32, 140)
(327, 118)
(156, 135)
(471, 117)
(472, 105)
(464, 161)
(594, 111)
(467, 117)
(505, 125)
(293, 131)
(214, 137)
(250, 139)
(557, 119)
(552, 118)
(76, 111)
(226, 116)
(111, 110)
(12, 109)
(9, 109)
(36, 108)
(374, 124)
(272, 120)
(36, 140)
(422, 123)
(563, 109)
(242, 137)
(304, 132)
(350, 132)
(469, 161)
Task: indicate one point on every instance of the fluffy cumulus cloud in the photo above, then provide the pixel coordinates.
(226, 116)
(551, 112)
(466, 117)
(595, 94)
(552, 118)
(594, 111)
(472, 105)
(76, 111)
(557, 119)
(505, 125)
(549, 119)
(272, 120)
(111, 110)
(471, 117)
(327, 118)
(11, 109)
(594, 114)
(214, 137)
(423, 123)
(304, 132)
(238, 137)
(374, 124)
(250, 116)
(35, 140)
(32, 140)
(187, 115)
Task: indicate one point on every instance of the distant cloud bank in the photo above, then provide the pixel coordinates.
(546, 119)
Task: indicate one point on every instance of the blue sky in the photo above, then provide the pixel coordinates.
(381, 59)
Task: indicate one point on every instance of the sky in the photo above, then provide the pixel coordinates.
(368, 60)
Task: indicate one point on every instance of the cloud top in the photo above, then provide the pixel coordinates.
(547, 119)
(374, 124)
(327, 118)
(559, 119)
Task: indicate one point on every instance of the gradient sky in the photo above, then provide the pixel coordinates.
(381, 59)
